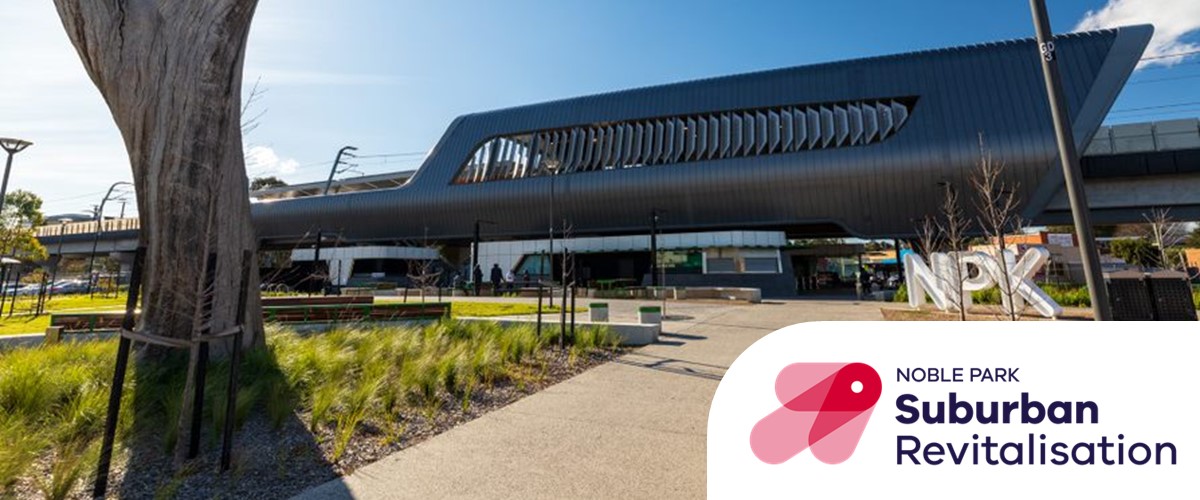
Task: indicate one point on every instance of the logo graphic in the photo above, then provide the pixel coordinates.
(826, 407)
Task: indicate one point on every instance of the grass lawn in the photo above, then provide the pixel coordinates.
(488, 309)
(365, 384)
(24, 322)
(26, 303)
(78, 303)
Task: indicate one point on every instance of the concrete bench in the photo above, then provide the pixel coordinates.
(752, 295)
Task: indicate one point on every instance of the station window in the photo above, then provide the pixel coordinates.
(742, 260)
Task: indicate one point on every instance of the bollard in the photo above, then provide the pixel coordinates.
(598, 312)
(650, 315)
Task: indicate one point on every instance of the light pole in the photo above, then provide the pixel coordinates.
(654, 248)
(346, 151)
(552, 167)
(1089, 255)
(12, 146)
(99, 230)
(476, 280)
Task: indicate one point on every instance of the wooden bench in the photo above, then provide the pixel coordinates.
(87, 322)
(396, 311)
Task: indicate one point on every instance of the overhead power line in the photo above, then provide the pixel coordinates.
(1163, 106)
(1168, 56)
(1168, 79)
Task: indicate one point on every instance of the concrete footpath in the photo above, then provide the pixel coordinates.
(631, 428)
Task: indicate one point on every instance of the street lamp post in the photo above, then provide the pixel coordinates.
(99, 230)
(346, 151)
(1089, 255)
(12, 147)
(553, 168)
(654, 248)
(476, 280)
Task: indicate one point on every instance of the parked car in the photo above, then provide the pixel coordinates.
(69, 286)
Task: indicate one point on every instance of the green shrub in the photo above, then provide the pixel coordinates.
(1065, 295)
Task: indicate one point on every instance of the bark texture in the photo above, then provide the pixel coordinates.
(171, 73)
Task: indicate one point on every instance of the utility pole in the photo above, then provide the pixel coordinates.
(337, 162)
(12, 147)
(1089, 255)
(99, 230)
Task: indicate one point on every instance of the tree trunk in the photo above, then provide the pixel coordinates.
(171, 73)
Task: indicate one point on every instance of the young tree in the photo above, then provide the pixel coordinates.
(954, 226)
(928, 239)
(171, 74)
(426, 273)
(1164, 233)
(997, 205)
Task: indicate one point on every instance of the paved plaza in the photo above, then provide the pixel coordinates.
(630, 428)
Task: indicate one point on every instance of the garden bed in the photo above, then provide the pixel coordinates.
(310, 408)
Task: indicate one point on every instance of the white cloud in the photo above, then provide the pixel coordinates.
(262, 160)
(1173, 20)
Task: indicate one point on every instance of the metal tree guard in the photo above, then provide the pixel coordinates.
(201, 345)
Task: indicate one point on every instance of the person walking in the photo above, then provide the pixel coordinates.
(497, 278)
(477, 283)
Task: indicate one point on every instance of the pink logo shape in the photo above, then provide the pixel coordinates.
(826, 407)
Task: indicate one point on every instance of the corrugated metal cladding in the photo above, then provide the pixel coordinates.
(480, 169)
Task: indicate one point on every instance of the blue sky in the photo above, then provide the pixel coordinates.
(388, 76)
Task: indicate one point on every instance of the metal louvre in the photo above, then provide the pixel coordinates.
(683, 139)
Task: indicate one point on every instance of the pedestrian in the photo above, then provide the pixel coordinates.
(497, 278)
(510, 281)
(478, 282)
(525, 278)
